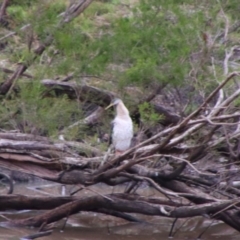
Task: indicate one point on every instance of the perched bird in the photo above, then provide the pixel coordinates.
(122, 127)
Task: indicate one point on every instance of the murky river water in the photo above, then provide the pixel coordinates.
(92, 226)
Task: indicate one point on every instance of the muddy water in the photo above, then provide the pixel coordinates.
(93, 226)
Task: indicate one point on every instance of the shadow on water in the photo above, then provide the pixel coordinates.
(95, 226)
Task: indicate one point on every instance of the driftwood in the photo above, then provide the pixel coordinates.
(119, 204)
(167, 162)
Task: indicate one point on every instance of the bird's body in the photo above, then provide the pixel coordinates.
(122, 131)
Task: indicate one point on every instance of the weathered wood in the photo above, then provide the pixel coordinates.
(169, 118)
(38, 235)
(82, 92)
(21, 202)
(3, 14)
(110, 202)
(187, 188)
(8, 84)
(6, 70)
(199, 197)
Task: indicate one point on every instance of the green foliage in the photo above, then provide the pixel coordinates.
(84, 54)
(22, 56)
(18, 13)
(232, 8)
(130, 44)
(46, 116)
(153, 44)
(21, 11)
(24, 2)
(148, 115)
(52, 114)
(45, 17)
(237, 103)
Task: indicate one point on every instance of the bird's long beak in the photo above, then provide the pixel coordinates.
(111, 104)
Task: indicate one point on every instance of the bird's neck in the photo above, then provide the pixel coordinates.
(122, 110)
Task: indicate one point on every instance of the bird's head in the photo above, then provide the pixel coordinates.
(114, 102)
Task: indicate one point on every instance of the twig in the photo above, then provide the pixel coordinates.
(37, 235)
(214, 112)
(221, 139)
(226, 59)
(219, 123)
(183, 160)
(170, 235)
(158, 188)
(75, 9)
(183, 223)
(23, 28)
(226, 208)
(186, 120)
(226, 30)
(222, 117)
(233, 28)
(6, 70)
(201, 234)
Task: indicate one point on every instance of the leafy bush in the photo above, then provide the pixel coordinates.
(126, 44)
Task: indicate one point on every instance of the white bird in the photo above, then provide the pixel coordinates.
(122, 127)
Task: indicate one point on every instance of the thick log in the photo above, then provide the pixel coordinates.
(169, 117)
(110, 202)
(21, 202)
(198, 197)
(82, 92)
